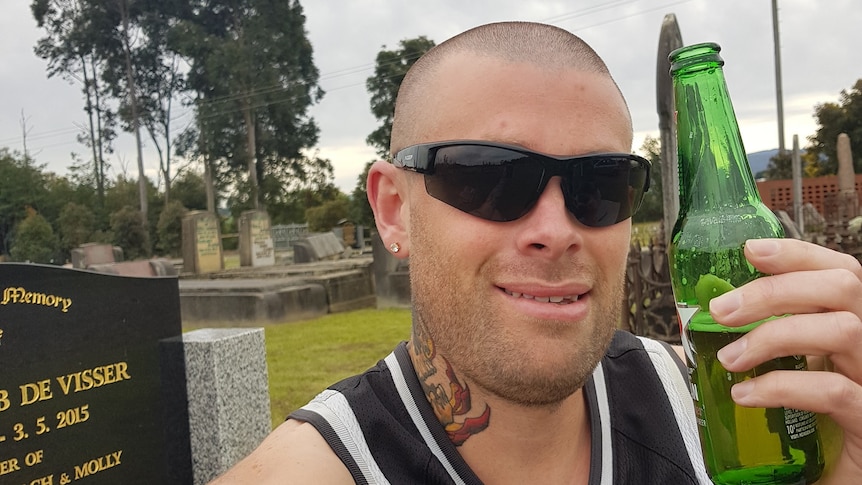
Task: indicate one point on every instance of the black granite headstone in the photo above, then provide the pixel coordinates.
(82, 397)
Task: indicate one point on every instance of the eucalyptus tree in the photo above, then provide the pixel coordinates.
(69, 48)
(389, 70)
(251, 68)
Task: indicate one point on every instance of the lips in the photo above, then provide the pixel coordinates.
(558, 299)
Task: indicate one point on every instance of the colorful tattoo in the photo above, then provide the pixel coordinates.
(452, 407)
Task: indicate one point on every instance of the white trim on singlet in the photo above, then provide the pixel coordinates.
(607, 450)
(412, 409)
(679, 397)
(334, 408)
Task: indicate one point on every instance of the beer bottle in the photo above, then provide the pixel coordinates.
(720, 209)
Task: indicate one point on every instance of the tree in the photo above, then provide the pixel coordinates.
(34, 240)
(130, 233)
(251, 65)
(22, 185)
(170, 228)
(390, 68)
(780, 167)
(834, 119)
(189, 190)
(326, 216)
(652, 207)
(76, 224)
(69, 47)
(360, 209)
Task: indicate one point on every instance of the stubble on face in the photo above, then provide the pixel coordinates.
(479, 341)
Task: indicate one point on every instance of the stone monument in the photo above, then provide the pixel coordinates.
(256, 247)
(202, 249)
(99, 385)
(848, 199)
(669, 39)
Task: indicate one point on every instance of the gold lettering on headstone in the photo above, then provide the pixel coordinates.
(9, 466)
(92, 378)
(96, 465)
(21, 295)
(35, 391)
(4, 400)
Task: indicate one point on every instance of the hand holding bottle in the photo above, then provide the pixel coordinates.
(822, 290)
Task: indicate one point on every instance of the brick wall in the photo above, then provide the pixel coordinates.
(819, 191)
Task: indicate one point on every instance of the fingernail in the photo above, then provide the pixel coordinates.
(725, 304)
(762, 247)
(740, 391)
(728, 354)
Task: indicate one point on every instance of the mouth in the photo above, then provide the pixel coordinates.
(556, 299)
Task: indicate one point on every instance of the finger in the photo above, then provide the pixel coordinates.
(820, 392)
(837, 335)
(808, 291)
(776, 256)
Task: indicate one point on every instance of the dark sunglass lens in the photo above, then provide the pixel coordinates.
(604, 191)
(493, 183)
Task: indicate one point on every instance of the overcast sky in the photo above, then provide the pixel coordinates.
(821, 54)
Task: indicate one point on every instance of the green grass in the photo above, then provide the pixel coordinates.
(304, 358)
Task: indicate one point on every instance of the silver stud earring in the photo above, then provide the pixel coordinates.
(395, 247)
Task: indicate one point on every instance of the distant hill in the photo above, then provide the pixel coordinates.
(758, 161)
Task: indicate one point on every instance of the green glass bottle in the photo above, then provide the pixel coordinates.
(720, 209)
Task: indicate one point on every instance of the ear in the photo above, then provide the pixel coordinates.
(387, 193)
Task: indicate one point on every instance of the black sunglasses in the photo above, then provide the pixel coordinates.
(502, 183)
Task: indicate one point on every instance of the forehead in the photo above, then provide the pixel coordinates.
(562, 111)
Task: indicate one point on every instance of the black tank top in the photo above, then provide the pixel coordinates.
(641, 416)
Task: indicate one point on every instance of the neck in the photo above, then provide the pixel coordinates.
(541, 444)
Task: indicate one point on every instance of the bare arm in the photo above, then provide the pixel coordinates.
(293, 453)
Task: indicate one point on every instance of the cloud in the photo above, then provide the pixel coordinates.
(819, 54)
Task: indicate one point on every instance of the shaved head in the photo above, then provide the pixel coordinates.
(541, 45)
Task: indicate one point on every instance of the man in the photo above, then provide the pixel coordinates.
(514, 372)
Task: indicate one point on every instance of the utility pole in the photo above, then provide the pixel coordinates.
(778, 94)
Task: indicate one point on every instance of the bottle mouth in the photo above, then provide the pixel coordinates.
(695, 57)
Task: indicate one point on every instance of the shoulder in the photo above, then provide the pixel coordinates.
(293, 453)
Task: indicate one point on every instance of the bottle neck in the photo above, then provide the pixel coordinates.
(713, 167)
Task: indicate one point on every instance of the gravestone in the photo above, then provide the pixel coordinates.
(318, 247)
(202, 249)
(848, 201)
(228, 412)
(285, 235)
(256, 247)
(796, 166)
(670, 38)
(81, 388)
(90, 254)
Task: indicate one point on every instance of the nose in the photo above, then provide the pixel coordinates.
(549, 229)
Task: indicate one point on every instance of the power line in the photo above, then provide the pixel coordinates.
(338, 73)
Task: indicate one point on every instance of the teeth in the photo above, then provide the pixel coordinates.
(544, 299)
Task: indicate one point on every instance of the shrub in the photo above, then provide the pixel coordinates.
(76, 225)
(324, 217)
(35, 241)
(170, 228)
(130, 233)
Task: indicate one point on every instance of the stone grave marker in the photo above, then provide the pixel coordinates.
(82, 397)
(256, 247)
(202, 249)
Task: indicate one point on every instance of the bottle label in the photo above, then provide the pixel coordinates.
(685, 313)
(799, 423)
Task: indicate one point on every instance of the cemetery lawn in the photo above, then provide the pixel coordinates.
(303, 358)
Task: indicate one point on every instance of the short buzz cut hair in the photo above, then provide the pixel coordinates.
(543, 45)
